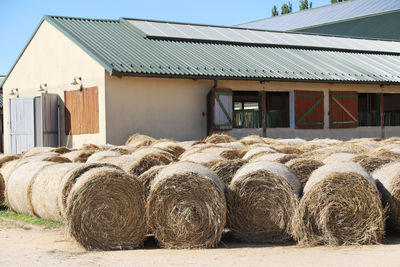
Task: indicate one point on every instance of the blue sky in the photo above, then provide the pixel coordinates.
(19, 18)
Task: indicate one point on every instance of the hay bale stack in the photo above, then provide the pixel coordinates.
(123, 150)
(205, 159)
(79, 155)
(291, 142)
(45, 189)
(257, 151)
(219, 138)
(303, 168)
(139, 140)
(186, 207)
(309, 147)
(252, 139)
(61, 150)
(370, 164)
(141, 160)
(4, 158)
(36, 150)
(383, 152)
(91, 147)
(226, 169)
(286, 149)
(70, 178)
(106, 210)
(233, 153)
(148, 176)
(99, 156)
(340, 206)
(48, 156)
(261, 200)
(171, 147)
(323, 153)
(388, 181)
(361, 147)
(19, 186)
(275, 157)
(186, 144)
(337, 157)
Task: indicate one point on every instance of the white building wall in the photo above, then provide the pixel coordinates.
(54, 59)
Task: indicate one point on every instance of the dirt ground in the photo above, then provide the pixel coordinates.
(28, 245)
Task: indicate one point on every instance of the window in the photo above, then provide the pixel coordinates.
(246, 109)
(81, 111)
(277, 109)
(368, 109)
(391, 108)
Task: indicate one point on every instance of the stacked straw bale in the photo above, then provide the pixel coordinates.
(275, 157)
(303, 168)
(261, 199)
(337, 157)
(171, 147)
(139, 140)
(186, 207)
(148, 176)
(123, 150)
(370, 164)
(4, 158)
(252, 139)
(340, 206)
(106, 210)
(388, 181)
(257, 151)
(45, 188)
(79, 155)
(205, 159)
(226, 169)
(219, 138)
(99, 156)
(19, 186)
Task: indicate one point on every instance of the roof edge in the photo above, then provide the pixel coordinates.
(107, 66)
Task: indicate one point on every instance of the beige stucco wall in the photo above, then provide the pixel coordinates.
(172, 108)
(54, 59)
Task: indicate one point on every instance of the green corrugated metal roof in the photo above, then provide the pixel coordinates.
(381, 26)
(122, 49)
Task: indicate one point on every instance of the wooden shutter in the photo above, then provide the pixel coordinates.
(81, 111)
(221, 109)
(343, 109)
(309, 109)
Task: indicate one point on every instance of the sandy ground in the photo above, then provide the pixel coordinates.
(28, 245)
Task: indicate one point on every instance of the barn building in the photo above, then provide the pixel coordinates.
(355, 18)
(99, 81)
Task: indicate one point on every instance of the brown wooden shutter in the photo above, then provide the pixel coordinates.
(309, 109)
(343, 109)
(221, 109)
(81, 111)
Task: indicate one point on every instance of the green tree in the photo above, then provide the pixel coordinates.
(286, 8)
(337, 1)
(275, 11)
(305, 5)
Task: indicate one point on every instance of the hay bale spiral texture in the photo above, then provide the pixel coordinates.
(186, 207)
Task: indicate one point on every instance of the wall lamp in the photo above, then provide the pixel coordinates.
(43, 87)
(14, 92)
(77, 81)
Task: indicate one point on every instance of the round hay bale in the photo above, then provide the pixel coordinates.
(35, 151)
(226, 169)
(323, 153)
(139, 140)
(340, 206)
(49, 156)
(275, 157)
(232, 145)
(186, 207)
(148, 176)
(106, 210)
(291, 142)
(123, 150)
(370, 164)
(45, 188)
(337, 157)
(91, 147)
(361, 147)
(303, 168)
(382, 152)
(186, 144)
(61, 150)
(68, 181)
(205, 159)
(79, 155)
(261, 200)
(392, 140)
(171, 147)
(219, 138)
(388, 181)
(142, 160)
(309, 147)
(257, 151)
(286, 149)
(19, 186)
(99, 156)
(232, 154)
(252, 139)
(4, 158)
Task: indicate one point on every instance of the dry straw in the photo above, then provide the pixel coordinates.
(388, 181)
(252, 139)
(79, 155)
(4, 158)
(257, 151)
(19, 186)
(171, 147)
(337, 157)
(205, 159)
(45, 188)
(370, 164)
(148, 176)
(99, 156)
(340, 206)
(219, 138)
(106, 210)
(186, 207)
(226, 169)
(139, 140)
(275, 157)
(261, 199)
(303, 168)
(123, 150)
